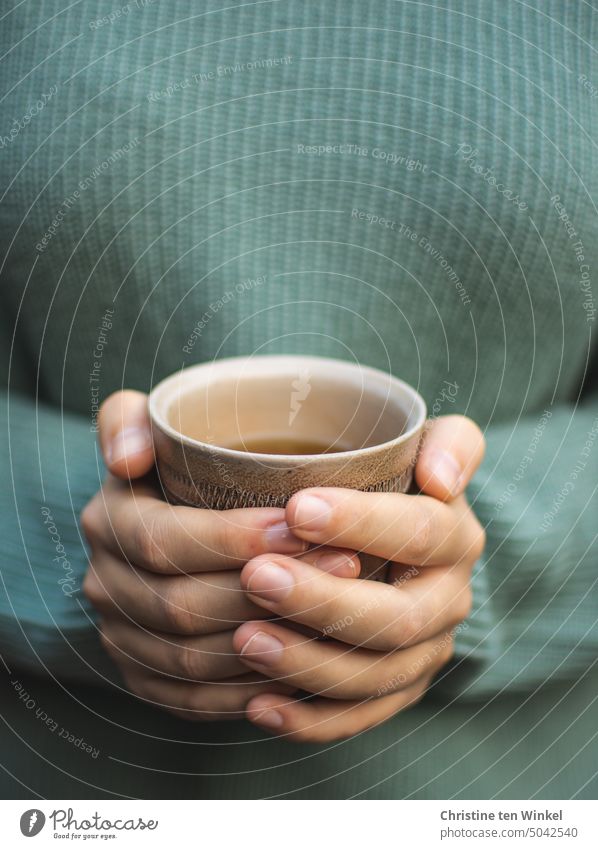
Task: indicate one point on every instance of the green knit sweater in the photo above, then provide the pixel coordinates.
(412, 185)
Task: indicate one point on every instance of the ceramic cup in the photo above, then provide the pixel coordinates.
(371, 422)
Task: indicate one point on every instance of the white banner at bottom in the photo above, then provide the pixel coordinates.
(295, 824)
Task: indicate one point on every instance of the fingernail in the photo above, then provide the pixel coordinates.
(126, 443)
(262, 648)
(271, 582)
(448, 471)
(281, 540)
(334, 560)
(312, 513)
(269, 718)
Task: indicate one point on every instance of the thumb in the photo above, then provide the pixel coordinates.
(452, 449)
(125, 434)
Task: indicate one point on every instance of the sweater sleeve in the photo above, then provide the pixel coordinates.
(535, 615)
(50, 467)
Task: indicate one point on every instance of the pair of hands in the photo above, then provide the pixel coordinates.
(220, 614)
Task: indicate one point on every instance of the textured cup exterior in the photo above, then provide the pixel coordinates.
(205, 476)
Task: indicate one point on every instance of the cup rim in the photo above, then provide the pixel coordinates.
(184, 376)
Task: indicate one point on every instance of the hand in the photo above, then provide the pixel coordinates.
(165, 579)
(388, 640)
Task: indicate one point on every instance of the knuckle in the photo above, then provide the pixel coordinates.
(182, 713)
(443, 652)
(470, 432)
(478, 543)
(197, 704)
(87, 586)
(333, 613)
(473, 427)
(420, 539)
(92, 588)
(108, 644)
(417, 694)
(449, 649)
(187, 662)
(115, 405)
(313, 735)
(229, 538)
(111, 400)
(174, 602)
(410, 624)
(477, 436)
(132, 683)
(90, 519)
(463, 605)
(151, 542)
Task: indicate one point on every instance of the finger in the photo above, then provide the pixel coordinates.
(336, 561)
(165, 538)
(416, 530)
(335, 670)
(200, 702)
(325, 720)
(200, 659)
(185, 604)
(452, 450)
(362, 613)
(125, 434)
